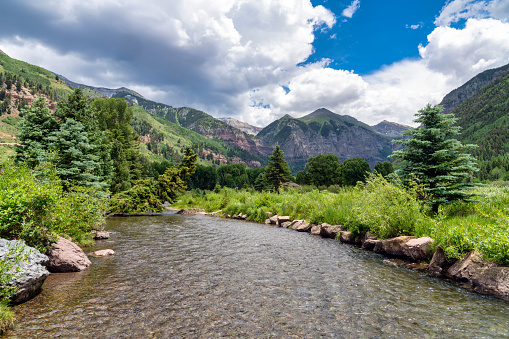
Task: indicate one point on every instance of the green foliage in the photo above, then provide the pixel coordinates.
(188, 164)
(388, 209)
(205, 178)
(170, 184)
(141, 198)
(354, 170)
(277, 172)
(436, 159)
(232, 176)
(37, 209)
(323, 170)
(384, 168)
(6, 317)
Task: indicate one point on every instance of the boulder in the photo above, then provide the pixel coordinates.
(369, 244)
(267, 222)
(330, 231)
(191, 211)
(286, 224)
(282, 219)
(485, 277)
(393, 246)
(419, 249)
(273, 219)
(66, 256)
(440, 263)
(103, 253)
(316, 229)
(301, 226)
(346, 236)
(101, 235)
(32, 273)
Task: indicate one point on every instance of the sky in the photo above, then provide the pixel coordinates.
(257, 60)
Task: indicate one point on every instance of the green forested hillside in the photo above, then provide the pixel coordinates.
(484, 119)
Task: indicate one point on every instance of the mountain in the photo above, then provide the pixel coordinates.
(390, 129)
(243, 126)
(107, 92)
(325, 132)
(462, 93)
(201, 123)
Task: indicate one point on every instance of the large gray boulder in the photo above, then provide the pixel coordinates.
(66, 256)
(31, 274)
(393, 246)
(419, 249)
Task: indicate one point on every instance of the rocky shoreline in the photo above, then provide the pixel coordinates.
(472, 271)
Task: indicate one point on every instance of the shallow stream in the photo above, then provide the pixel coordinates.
(200, 277)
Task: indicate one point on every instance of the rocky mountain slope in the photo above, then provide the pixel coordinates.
(325, 132)
(243, 126)
(390, 129)
(462, 93)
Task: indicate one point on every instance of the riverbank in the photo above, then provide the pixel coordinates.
(385, 212)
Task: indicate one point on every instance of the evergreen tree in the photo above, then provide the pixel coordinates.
(277, 171)
(75, 162)
(37, 126)
(438, 161)
(188, 164)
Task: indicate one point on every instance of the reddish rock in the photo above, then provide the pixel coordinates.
(486, 277)
(282, 219)
(369, 244)
(345, 236)
(393, 246)
(316, 229)
(103, 253)
(419, 249)
(440, 263)
(286, 224)
(66, 256)
(301, 226)
(330, 231)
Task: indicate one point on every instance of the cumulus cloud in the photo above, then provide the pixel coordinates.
(351, 9)
(244, 58)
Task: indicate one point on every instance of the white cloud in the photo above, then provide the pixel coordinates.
(351, 9)
(414, 26)
(457, 10)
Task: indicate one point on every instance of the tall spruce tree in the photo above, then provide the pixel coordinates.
(277, 171)
(438, 161)
(37, 126)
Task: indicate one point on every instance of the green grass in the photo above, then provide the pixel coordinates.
(381, 208)
(6, 317)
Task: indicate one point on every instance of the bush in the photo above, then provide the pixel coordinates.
(387, 209)
(36, 208)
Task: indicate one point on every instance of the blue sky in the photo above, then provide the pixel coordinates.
(378, 33)
(257, 60)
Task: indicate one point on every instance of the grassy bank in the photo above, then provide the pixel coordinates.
(381, 208)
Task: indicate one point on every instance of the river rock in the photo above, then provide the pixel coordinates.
(486, 277)
(267, 222)
(330, 231)
(101, 235)
(393, 246)
(369, 244)
(103, 253)
(301, 226)
(66, 256)
(282, 219)
(419, 249)
(316, 229)
(273, 219)
(439, 262)
(32, 273)
(191, 211)
(286, 224)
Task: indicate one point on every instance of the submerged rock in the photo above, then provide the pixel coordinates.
(32, 273)
(66, 256)
(103, 253)
(101, 235)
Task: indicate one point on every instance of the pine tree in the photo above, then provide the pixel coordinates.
(277, 171)
(37, 126)
(438, 161)
(188, 164)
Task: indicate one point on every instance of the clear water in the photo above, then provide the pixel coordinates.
(201, 277)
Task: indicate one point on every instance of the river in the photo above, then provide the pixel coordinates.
(200, 277)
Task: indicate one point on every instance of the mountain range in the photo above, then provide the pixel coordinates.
(481, 106)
